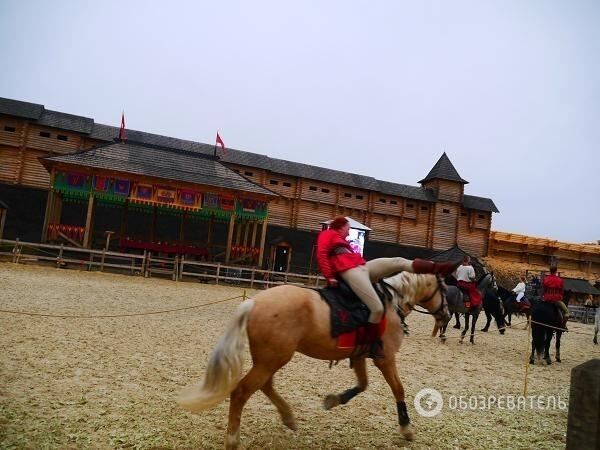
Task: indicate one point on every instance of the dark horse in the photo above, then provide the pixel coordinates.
(511, 306)
(456, 304)
(546, 315)
(493, 307)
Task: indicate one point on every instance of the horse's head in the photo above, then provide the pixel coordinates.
(487, 280)
(427, 291)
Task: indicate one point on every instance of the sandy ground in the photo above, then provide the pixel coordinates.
(112, 382)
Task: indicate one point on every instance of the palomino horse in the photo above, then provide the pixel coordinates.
(456, 304)
(287, 319)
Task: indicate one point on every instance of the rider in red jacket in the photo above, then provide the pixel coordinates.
(553, 291)
(336, 258)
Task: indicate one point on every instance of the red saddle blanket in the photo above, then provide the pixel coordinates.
(360, 336)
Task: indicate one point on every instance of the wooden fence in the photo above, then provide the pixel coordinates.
(148, 265)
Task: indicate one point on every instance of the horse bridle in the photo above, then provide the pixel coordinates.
(437, 313)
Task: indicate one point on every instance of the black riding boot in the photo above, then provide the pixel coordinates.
(376, 350)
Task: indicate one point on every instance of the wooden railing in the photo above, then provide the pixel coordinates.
(149, 265)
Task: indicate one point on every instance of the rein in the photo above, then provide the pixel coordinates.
(412, 307)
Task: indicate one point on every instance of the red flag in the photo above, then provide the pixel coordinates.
(221, 143)
(122, 134)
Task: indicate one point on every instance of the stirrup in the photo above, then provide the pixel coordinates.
(376, 350)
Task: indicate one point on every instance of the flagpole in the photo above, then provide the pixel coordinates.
(215, 151)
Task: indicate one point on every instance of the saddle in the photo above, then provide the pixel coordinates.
(349, 315)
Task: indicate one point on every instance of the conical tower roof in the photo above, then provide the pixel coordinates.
(443, 170)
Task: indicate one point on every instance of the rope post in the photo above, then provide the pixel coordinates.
(15, 251)
(244, 296)
(102, 260)
(59, 260)
(527, 356)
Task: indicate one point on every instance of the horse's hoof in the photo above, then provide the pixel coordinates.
(596, 340)
(457, 327)
(532, 361)
(485, 330)
(331, 401)
(407, 432)
(558, 359)
(291, 424)
(548, 361)
(502, 332)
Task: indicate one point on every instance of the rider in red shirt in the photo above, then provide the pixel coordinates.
(336, 258)
(553, 291)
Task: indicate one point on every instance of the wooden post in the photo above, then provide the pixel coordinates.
(209, 238)
(89, 222)
(154, 218)
(246, 229)
(237, 233)
(583, 426)
(254, 228)
(229, 237)
(182, 227)
(57, 208)
(47, 215)
(263, 236)
(123, 229)
(2, 220)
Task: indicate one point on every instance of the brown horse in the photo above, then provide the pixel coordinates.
(287, 319)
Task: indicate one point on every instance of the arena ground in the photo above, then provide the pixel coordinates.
(112, 382)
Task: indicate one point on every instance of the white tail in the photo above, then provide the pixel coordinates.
(225, 365)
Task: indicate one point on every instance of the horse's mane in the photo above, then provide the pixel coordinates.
(409, 286)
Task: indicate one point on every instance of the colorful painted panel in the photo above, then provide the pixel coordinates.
(211, 200)
(165, 195)
(190, 199)
(143, 192)
(121, 187)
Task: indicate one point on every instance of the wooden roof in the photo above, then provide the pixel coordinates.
(159, 162)
(579, 286)
(443, 169)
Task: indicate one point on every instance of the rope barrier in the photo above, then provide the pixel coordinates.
(25, 313)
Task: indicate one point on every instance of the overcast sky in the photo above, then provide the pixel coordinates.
(509, 89)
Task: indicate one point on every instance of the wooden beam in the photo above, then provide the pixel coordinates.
(89, 222)
(263, 236)
(123, 227)
(3, 213)
(229, 237)
(246, 229)
(48, 213)
(254, 228)
(209, 233)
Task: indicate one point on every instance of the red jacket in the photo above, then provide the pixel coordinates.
(331, 263)
(553, 288)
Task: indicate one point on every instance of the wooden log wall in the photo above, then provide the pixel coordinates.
(303, 204)
(539, 251)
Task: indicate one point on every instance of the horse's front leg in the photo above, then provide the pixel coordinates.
(558, 336)
(387, 366)
(360, 369)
